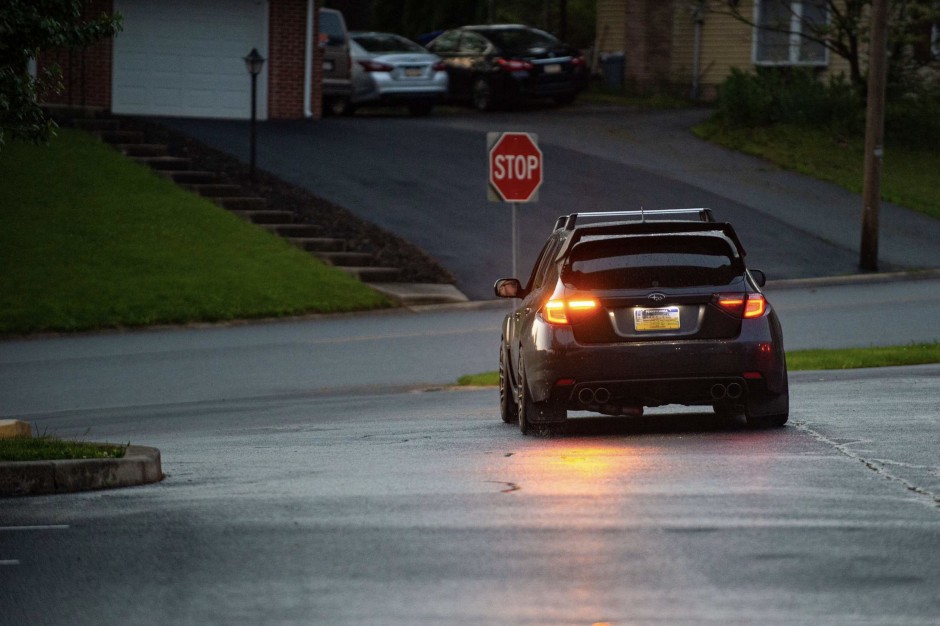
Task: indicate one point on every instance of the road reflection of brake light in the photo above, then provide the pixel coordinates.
(557, 311)
(513, 65)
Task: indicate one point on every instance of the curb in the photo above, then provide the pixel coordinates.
(140, 465)
(853, 279)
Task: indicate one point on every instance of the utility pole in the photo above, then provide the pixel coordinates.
(874, 134)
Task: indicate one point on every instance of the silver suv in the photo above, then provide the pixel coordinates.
(337, 77)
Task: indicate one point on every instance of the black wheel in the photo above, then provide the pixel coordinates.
(483, 97)
(508, 409)
(420, 109)
(338, 106)
(526, 407)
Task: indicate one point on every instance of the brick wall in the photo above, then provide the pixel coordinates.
(286, 57)
(86, 74)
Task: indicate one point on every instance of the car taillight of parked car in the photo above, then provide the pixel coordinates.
(577, 61)
(568, 311)
(743, 305)
(375, 66)
(513, 65)
(440, 66)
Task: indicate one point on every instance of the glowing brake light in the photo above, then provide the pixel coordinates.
(513, 65)
(557, 311)
(755, 305)
(746, 305)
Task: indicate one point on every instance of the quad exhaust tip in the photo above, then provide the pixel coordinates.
(588, 396)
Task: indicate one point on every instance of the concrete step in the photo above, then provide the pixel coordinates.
(277, 218)
(171, 163)
(190, 177)
(373, 274)
(216, 190)
(294, 230)
(96, 123)
(142, 149)
(121, 136)
(244, 204)
(319, 244)
(347, 259)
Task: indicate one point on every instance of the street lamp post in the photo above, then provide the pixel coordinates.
(253, 63)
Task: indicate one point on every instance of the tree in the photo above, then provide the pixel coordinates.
(841, 27)
(28, 27)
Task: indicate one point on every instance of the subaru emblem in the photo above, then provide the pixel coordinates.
(656, 296)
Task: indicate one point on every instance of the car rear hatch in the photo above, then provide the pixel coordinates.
(657, 288)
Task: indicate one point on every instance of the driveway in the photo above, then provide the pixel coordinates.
(425, 180)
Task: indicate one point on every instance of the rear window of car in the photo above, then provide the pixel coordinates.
(331, 24)
(382, 42)
(521, 40)
(651, 261)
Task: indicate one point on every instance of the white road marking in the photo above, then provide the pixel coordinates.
(9, 562)
(37, 527)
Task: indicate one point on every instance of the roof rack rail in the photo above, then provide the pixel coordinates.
(568, 221)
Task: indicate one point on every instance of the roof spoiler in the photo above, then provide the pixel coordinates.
(568, 222)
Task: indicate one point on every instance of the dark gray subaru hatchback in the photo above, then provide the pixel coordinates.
(640, 309)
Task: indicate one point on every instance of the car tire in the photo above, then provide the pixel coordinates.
(338, 106)
(483, 97)
(422, 109)
(508, 409)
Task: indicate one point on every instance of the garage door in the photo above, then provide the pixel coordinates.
(184, 57)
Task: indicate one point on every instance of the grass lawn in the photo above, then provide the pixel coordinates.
(47, 448)
(910, 177)
(851, 358)
(91, 240)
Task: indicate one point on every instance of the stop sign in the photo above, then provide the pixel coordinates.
(515, 163)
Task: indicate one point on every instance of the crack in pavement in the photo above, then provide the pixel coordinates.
(510, 486)
(875, 465)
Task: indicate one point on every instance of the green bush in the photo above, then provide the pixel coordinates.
(788, 96)
(914, 121)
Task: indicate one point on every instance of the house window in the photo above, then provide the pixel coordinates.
(781, 25)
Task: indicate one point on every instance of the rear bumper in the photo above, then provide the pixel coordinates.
(749, 368)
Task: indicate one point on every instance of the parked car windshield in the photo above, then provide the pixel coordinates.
(386, 42)
(520, 40)
(649, 262)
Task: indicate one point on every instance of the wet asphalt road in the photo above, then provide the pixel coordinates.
(421, 507)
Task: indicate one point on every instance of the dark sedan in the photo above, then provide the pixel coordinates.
(495, 66)
(626, 314)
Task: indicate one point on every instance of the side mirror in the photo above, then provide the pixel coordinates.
(508, 288)
(759, 277)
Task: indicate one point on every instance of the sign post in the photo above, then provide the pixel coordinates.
(515, 175)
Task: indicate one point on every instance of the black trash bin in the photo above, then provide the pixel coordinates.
(612, 65)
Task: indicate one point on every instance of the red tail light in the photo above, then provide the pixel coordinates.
(561, 311)
(577, 61)
(375, 66)
(440, 66)
(746, 305)
(513, 65)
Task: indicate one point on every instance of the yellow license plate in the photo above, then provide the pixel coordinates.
(665, 318)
